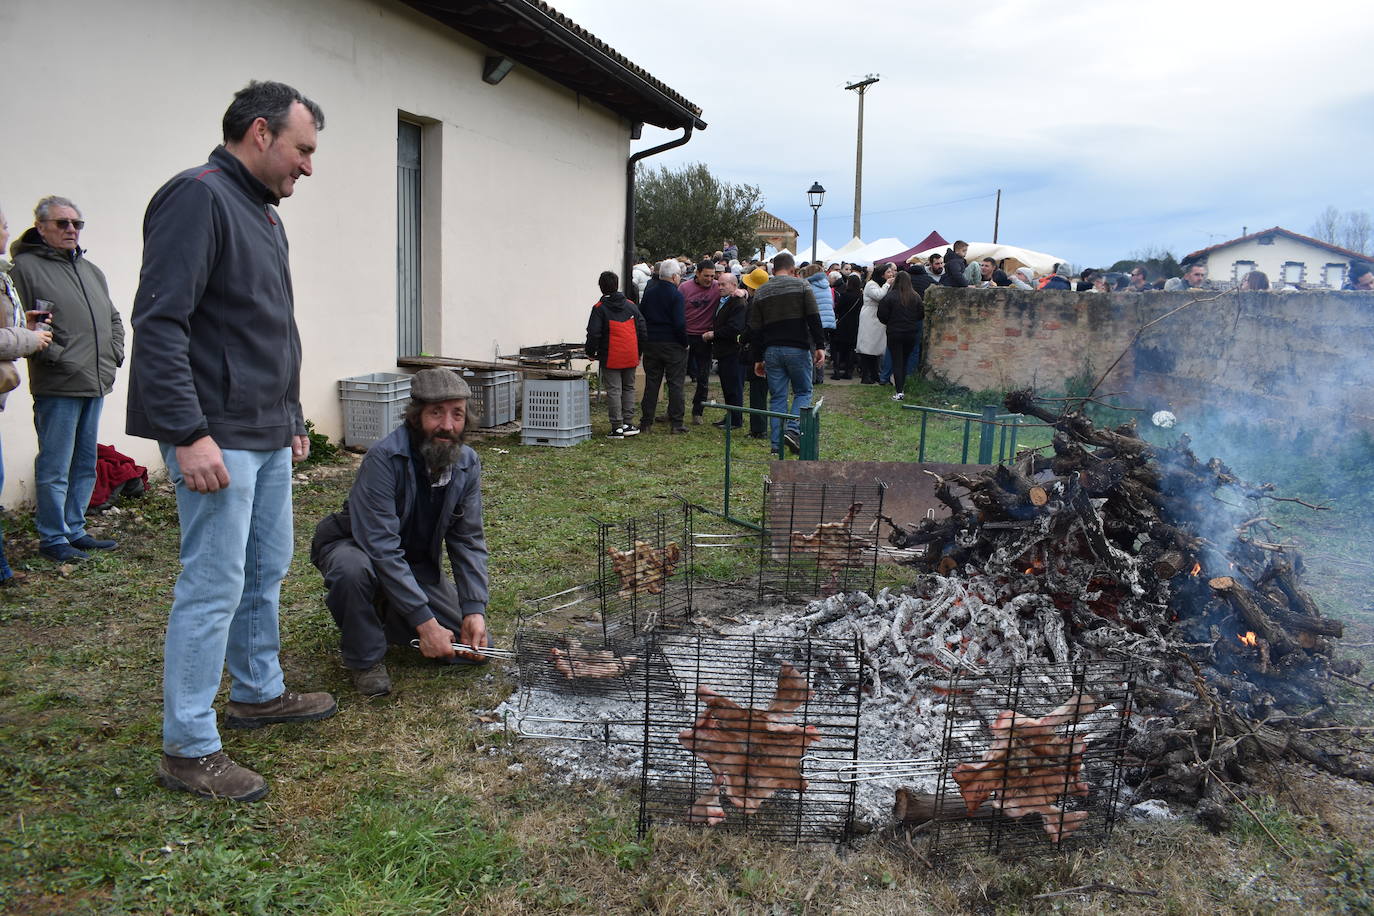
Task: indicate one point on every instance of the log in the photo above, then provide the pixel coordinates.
(912, 808)
(1242, 600)
(1169, 564)
(1301, 602)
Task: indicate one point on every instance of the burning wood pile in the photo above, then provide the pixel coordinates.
(1115, 548)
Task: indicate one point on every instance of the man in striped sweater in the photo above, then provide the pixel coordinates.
(785, 324)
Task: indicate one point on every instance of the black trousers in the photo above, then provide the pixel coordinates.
(663, 361)
(731, 373)
(699, 371)
(367, 622)
(902, 348)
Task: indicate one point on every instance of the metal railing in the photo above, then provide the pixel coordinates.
(809, 445)
(988, 420)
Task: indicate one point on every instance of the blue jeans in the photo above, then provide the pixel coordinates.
(787, 367)
(64, 470)
(235, 550)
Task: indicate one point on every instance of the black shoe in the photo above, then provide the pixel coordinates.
(679, 428)
(63, 553)
(720, 424)
(616, 433)
(86, 542)
(629, 429)
(792, 441)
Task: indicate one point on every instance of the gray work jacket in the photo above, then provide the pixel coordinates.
(376, 516)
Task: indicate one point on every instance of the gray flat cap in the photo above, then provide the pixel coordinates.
(432, 385)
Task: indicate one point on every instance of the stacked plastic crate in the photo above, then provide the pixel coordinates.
(494, 394)
(373, 405)
(556, 412)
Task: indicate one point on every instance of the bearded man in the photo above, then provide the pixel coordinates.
(418, 489)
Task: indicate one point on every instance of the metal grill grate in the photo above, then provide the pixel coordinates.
(819, 539)
(1046, 778)
(643, 579)
(717, 756)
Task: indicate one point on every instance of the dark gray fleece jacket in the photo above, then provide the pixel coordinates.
(216, 350)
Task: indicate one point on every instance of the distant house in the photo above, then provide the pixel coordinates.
(466, 146)
(1285, 257)
(774, 232)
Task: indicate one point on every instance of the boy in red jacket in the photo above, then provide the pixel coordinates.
(615, 336)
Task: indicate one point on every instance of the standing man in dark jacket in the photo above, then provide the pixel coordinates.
(615, 336)
(785, 327)
(418, 490)
(700, 296)
(69, 379)
(665, 345)
(215, 380)
(726, 327)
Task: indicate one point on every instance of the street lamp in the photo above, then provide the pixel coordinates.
(815, 197)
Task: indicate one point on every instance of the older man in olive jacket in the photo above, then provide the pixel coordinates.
(69, 379)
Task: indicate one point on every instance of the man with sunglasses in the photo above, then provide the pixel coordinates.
(69, 379)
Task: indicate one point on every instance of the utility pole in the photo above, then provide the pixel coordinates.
(996, 216)
(860, 87)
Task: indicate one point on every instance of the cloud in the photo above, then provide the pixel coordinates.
(1107, 127)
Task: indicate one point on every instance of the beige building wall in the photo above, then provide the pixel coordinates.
(525, 181)
(1222, 263)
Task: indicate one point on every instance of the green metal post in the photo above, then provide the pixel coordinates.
(963, 458)
(984, 439)
(921, 448)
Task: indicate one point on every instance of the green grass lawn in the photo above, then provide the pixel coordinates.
(408, 804)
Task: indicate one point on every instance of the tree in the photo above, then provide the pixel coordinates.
(1351, 229)
(689, 211)
(1157, 261)
(1355, 231)
(1328, 225)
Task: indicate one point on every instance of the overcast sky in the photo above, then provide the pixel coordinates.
(1109, 127)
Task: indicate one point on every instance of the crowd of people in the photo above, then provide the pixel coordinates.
(870, 321)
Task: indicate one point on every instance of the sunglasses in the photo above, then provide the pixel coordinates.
(77, 224)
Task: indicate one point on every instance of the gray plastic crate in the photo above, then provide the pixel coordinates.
(556, 437)
(373, 405)
(493, 397)
(556, 405)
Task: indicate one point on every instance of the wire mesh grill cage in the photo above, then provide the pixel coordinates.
(748, 735)
(819, 539)
(1031, 760)
(643, 578)
(574, 683)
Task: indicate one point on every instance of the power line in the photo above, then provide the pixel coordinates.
(943, 203)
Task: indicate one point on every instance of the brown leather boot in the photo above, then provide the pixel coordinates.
(289, 707)
(212, 776)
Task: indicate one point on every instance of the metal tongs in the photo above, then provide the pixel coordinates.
(487, 651)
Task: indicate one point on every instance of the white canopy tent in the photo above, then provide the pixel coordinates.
(875, 250)
(824, 253)
(771, 253)
(848, 248)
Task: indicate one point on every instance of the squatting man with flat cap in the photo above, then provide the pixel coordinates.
(417, 490)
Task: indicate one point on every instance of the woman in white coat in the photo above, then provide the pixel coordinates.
(872, 335)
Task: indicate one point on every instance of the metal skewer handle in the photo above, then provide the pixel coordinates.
(488, 651)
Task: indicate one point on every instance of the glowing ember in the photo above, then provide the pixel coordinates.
(1249, 639)
(1197, 568)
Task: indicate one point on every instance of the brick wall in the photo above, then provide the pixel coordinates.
(1303, 358)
